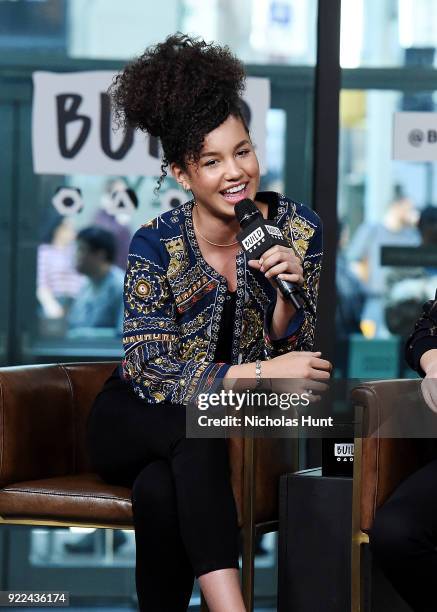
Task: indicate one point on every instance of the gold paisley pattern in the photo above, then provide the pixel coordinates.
(252, 328)
(151, 223)
(302, 232)
(144, 291)
(302, 228)
(194, 348)
(300, 246)
(193, 326)
(178, 257)
(189, 286)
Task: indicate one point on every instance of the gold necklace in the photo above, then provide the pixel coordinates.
(209, 241)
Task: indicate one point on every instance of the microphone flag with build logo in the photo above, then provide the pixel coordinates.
(257, 236)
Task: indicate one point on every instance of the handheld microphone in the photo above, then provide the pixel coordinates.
(257, 236)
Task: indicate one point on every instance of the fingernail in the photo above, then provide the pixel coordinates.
(261, 261)
(280, 276)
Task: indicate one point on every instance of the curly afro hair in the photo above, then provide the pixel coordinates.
(179, 91)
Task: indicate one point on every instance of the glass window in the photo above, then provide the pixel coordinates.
(383, 204)
(97, 566)
(39, 23)
(85, 227)
(388, 33)
(258, 31)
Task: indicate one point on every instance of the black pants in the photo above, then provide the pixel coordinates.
(183, 507)
(404, 539)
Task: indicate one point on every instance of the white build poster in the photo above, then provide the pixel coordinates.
(73, 130)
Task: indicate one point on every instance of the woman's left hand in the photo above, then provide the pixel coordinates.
(282, 262)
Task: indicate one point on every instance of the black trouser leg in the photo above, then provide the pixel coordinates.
(404, 539)
(125, 438)
(164, 576)
(207, 512)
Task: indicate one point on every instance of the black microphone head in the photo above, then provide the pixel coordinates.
(246, 211)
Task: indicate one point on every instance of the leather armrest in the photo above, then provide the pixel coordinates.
(42, 413)
(385, 462)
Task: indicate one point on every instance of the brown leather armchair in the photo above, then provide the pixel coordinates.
(46, 478)
(381, 463)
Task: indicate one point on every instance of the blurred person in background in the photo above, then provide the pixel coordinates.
(398, 228)
(117, 224)
(100, 302)
(409, 288)
(351, 297)
(57, 281)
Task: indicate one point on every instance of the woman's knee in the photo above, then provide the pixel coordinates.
(153, 491)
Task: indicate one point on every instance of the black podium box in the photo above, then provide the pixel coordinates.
(315, 524)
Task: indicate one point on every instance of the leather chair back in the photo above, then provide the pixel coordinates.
(43, 411)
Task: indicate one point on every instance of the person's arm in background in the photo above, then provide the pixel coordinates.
(423, 339)
(358, 252)
(51, 307)
(421, 351)
(428, 363)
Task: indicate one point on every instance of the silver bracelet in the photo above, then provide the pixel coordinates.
(258, 373)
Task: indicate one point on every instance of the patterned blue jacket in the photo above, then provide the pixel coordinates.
(174, 303)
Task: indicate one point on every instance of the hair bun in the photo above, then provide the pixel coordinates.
(179, 76)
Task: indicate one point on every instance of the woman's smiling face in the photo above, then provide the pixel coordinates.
(227, 171)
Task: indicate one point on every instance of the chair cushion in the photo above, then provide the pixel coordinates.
(81, 498)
